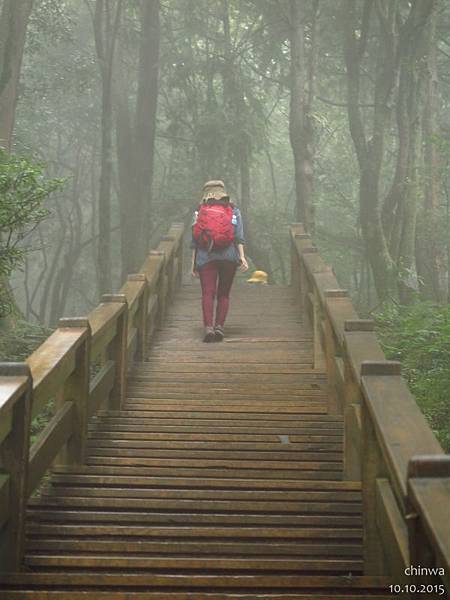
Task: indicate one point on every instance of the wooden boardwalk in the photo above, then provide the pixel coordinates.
(221, 476)
(288, 462)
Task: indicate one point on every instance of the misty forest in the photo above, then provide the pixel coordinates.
(333, 113)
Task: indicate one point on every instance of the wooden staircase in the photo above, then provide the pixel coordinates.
(221, 477)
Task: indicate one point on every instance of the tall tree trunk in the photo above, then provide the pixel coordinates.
(430, 260)
(300, 125)
(13, 26)
(414, 52)
(136, 130)
(127, 197)
(145, 123)
(106, 24)
(237, 109)
(370, 153)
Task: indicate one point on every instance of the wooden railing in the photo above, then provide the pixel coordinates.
(83, 367)
(388, 444)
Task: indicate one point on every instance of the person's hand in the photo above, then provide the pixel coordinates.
(244, 264)
(194, 273)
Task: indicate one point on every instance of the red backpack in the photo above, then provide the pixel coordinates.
(213, 228)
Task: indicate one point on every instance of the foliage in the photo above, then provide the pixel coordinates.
(419, 336)
(16, 345)
(23, 190)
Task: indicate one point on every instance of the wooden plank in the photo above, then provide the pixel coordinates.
(14, 450)
(6, 420)
(198, 563)
(66, 515)
(223, 548)
(52, 363)
(360, 346)
(99, 441)
(86, 476)
(133, 290)
(38, 530)
(202, 580)
(339, 310)
(103, 317)
(393, 530)
(49, 443)
(430, 497)
(4, 498)
(175, 440)
(100, 387)
(86, 595)
(289, 497)
(401, 429)
(11, 388)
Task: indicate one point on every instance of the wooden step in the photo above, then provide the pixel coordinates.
(104, 476)
(195, 506)
(197, 564)
(244, 532)
(254, 441)
(302, 449)
(286, 497)
(91, 515)
(220, 478)
(196, 548)
(277, 411)
(145, 411)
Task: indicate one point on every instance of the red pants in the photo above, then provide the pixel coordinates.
(216, 278)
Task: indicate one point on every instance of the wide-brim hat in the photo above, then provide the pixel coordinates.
(214, 190)
(258, 277)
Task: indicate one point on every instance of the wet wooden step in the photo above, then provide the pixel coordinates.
(254, 441)
(271, 587)
(66, 515)
(62, 594)
(197, 564)
(144, 411)
(196, 506)
(216, 495)
(175, 532)
(99, 441)
(200, 408)
(197, 548)
(136, 477)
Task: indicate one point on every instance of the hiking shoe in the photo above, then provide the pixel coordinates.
(209, 335)
(219, 333)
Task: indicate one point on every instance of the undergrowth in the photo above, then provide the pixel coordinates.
(419, 336)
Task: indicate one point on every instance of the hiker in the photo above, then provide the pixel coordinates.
(218, 250)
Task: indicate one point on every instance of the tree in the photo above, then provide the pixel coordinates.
(13, 26)
(23, 190)
(106, 20)
(136, 133)
(302, 78)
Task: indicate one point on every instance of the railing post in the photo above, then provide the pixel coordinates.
(180, 255)
(352, 405)
(331, 353)
(141, 317)
(76, 390)
(421, 551)
(14, 468)
(168, 269)
(118, 352)
(161, 288)
(372, 467)
(301, 280)
(296, 229)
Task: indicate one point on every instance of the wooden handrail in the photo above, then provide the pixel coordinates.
(82, 366)
(383, 427)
